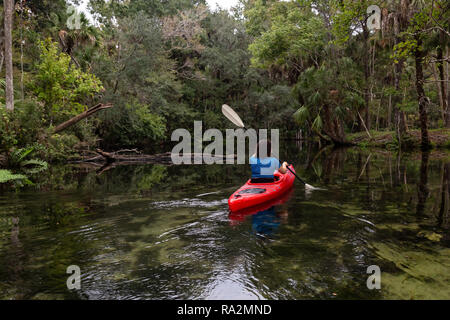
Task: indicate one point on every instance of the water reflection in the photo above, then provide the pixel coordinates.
(265, 222)
(164, 232)
(445, 194)
(422, 191)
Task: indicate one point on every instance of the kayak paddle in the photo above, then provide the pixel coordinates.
(231, 115)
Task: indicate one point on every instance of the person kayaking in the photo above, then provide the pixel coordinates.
(263, 166)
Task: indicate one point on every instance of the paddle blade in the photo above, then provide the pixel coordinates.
(309, 187)
(232, 116)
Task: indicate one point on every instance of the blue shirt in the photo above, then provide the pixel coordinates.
(264, 168)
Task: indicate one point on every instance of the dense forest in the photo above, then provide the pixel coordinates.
(139, 69)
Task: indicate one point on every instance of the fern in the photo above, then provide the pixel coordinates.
(27, 167)
(34, 166)
(8, 176)
(18, 155)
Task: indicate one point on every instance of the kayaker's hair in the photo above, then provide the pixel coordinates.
(260, 146)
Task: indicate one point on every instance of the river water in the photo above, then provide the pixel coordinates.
(164, 232)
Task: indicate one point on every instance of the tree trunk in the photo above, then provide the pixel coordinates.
(422, 190)
(389, 116)
(366, 62)
(422, 98)
(443, 93)
(447, 78)
(445, 194)
(399, 118)
(9, 90)
(438, 86)
(81, 116)
(333, 127)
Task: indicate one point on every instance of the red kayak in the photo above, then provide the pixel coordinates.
(240, 215)
(253, 194)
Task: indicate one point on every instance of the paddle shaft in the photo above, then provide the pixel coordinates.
(296, 175)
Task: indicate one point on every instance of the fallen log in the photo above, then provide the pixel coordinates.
(118, 156)
(138, 157)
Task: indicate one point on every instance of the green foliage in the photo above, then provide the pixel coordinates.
(425, 17)
(16, 157)
(404, 49)
(60, 85)
(317, 123)
(144, 124)
(23, 126)
(294, 32)
(7, 176)
(26, 168)
(363, 144)
(134, 125)
(59, 147)
(140, 82)
(301, 115)
(34, 166)
(156, 176)
(349, 18)
(8, 138)
(329, 85)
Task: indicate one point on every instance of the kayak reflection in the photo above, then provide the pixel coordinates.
(266, 222)
(266, 217)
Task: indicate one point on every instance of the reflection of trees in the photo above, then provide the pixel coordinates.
(390, 179)
(333, 164)
(422, 190)
(445, 195)
(37, 257)
(16, 255)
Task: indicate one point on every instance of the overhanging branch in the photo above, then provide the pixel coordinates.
(81, 116)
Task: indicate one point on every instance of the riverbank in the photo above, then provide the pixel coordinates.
(439, 138)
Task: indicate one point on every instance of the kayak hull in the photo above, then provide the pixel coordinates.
(254, 194)
(240, 215)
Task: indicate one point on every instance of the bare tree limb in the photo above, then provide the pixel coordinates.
(81, 116)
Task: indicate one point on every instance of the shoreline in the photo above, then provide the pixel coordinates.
(439, 138)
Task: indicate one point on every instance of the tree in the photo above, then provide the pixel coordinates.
(139, 81)
(443, 38)
(351, 17)
(426, 18)
(421, 96)
(329, 97)
(9, 12)
(395, 22)
(63, 88)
